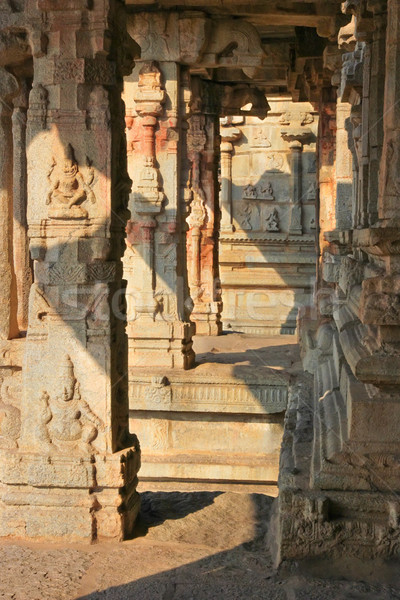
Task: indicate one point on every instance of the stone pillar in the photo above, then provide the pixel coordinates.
(229, 135)
(8, 290)
(22, 263)
(389, 180)
(296, 138)
(73, 471)
(203, 220)
(326, 169)
(344, 167)
(159, 330)
(376, 103)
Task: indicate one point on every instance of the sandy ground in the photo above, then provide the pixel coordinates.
(190, 546)
(193, 544)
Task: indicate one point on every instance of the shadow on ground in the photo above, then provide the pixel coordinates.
(211, 546)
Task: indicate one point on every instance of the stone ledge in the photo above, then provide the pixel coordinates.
(238, 389)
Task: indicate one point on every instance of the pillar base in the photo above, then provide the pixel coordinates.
(74, 498)
(161, 344)
(207, 319)
(312, 522)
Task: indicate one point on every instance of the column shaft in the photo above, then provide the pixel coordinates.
(8, 291)
(22, 261)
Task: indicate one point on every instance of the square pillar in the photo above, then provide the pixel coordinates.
(72, 471)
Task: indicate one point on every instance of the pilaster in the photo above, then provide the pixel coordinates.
(296, 137)
(229, 135)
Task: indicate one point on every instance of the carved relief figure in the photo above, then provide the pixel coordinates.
(10, 418)
(272, 222)
(312, 164)
(274, 162)
(67, 419)
(307, 118)
(69, 190)
(98, 112)
(266, 191)
(260, 139)
(250, 191)
(312, 191)
(245, 214)
(38, 102)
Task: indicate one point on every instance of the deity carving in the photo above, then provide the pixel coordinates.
(260, 139)
(67, 421)
(149, 98)
(285, 118)
(69, 190)
(272, 221)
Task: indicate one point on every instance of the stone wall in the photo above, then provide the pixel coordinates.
(267, 245)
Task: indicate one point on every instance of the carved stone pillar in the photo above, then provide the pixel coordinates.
(229, 135)
(159, 330)
(179, 41)
(148, 195)
(8, 290)
(203, 220)
(22, 263)
(73, 470)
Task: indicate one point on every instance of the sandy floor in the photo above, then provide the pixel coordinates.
(191, 546)
(280, 353)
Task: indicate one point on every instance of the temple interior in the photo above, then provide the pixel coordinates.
(199, 272)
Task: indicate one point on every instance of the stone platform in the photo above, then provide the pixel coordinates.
(221, 421)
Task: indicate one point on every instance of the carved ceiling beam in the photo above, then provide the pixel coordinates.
(196, 39)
